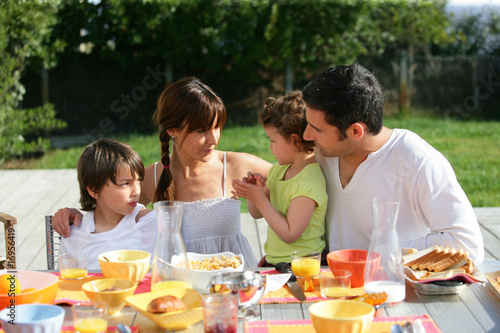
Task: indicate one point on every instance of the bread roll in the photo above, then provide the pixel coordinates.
(166, 304)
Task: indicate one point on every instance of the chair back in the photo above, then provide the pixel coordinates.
(52, 243)
(9, 261)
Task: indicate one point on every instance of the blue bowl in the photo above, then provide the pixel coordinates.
(32, 318)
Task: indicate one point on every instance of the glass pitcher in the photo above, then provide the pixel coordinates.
(384, 268)
(170, 262)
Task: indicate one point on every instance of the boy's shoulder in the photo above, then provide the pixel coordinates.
(144, 213)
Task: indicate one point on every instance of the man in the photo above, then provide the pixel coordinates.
(362, 159)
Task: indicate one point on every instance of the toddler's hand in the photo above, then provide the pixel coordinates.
(253, 178)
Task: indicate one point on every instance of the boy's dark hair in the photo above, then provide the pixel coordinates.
(98, 164)
(347, 94)
(288, 115)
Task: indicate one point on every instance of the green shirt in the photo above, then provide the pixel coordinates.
(310, 183)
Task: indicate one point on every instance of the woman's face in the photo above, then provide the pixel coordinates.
(199, 145)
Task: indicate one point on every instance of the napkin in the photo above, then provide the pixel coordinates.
(276, 281)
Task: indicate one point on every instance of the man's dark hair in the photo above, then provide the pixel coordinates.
(347, 94)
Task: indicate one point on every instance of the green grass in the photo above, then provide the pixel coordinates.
(473, 149)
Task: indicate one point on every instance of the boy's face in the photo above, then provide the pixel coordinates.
(120, 198)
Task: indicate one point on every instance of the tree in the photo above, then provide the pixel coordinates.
(471, 35)
(409, 27)
(25, 30)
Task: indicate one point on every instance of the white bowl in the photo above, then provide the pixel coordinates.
(200, 279)
(32, 318)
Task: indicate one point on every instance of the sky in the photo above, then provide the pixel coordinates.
(473, 2)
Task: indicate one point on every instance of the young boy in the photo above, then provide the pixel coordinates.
(109, 174)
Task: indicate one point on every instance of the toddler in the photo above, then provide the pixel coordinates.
(294, 200)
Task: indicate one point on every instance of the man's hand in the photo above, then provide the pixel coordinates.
(63, 218)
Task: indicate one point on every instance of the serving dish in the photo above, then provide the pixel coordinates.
(438, 287)
(175, 320)
(200, 278)
(450, 285)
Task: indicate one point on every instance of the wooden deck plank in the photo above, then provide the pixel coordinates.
(29, 195)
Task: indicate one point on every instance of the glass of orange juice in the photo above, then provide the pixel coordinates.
(73, 265)
(306, 264)
(90, 318)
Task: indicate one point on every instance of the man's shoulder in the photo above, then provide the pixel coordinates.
(410, 141)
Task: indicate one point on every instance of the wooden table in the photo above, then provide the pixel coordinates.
(475, 309)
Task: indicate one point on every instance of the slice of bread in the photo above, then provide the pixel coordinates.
(447, 262)
(412, 258)
(425, 262)
(437, 262)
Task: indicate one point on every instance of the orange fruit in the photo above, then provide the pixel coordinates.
(9, 284)
(308, 285)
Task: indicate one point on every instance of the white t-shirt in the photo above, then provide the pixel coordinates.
(434, 209)
(128, 234)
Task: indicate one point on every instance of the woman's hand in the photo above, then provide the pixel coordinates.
(63, 218)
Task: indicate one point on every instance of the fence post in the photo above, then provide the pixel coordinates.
(404, 101)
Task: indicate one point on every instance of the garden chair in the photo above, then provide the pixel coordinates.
(52, 243)
(9, 262)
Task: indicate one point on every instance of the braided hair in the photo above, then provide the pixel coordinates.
(190, 104)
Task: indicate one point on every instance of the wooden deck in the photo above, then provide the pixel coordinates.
(29, 195)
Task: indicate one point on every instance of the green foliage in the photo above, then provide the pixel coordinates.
(21, 131)
(250, 39)
(406, 23)
(474, 34)
(25, 33)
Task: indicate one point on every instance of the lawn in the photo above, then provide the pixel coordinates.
(473, 149)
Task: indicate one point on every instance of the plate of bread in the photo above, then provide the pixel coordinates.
(440, 270)
(172, 309)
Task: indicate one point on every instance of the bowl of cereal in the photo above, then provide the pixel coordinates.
(203, 266)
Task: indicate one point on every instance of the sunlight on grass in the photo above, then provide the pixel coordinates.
(473, 149)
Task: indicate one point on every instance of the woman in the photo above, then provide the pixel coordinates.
(190, 117)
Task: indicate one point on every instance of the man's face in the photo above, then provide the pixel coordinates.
(326, 137)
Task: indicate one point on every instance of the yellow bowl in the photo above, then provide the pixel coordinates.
(342, 316)
(110, 291)
(42, 289)
(125, 264)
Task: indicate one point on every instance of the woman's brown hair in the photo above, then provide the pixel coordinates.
(187, 103)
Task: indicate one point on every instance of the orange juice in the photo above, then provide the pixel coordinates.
(91, 325)
(334, 292)
(170, 284)
(305, 267)
(73, 273)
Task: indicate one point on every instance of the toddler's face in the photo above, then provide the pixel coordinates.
(282, 148)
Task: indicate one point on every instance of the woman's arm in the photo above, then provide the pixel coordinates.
(63, 218)
(148, 184)
(239, 164)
